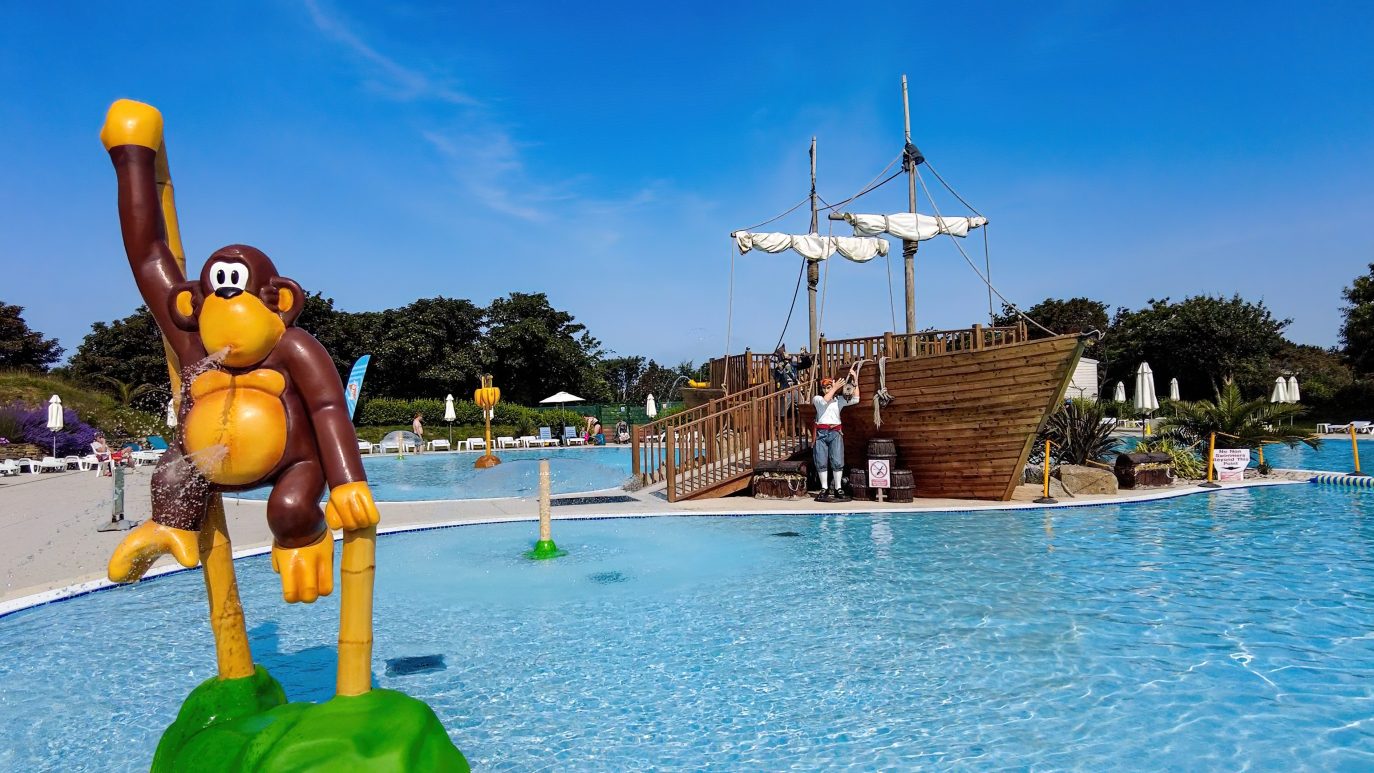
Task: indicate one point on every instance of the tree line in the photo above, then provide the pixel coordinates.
(426, 349)
(437, 346)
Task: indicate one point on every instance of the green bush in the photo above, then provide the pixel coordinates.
(385, 412)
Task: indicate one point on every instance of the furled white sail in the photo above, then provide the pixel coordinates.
(812, 246)
(913, 227)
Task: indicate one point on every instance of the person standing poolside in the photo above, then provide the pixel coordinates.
(829, 449)
(419, 429)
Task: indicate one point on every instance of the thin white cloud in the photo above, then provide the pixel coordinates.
(404, 83)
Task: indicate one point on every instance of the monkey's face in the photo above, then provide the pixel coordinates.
(239, 306)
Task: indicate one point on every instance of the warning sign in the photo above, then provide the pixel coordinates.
(1231, 463)
(879, 473)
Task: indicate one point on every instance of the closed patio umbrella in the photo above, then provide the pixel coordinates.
(449, 416)
(54, 419)
(1120, 395)
(1145, 400)
(171, 413)
(650, 407)
(1280, 393)
(1294, 396)
(1173, 389)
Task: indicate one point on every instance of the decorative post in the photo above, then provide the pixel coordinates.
(1211, 453)
(486, 397)
(1355, 450)
(545, 547)
(1047, 499)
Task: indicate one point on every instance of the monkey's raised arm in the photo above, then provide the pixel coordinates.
(133, 135)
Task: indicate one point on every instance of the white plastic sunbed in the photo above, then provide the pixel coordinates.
(475, 443)
(571, 438)
(439, 444)
(506, 441)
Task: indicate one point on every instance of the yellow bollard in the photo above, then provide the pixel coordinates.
(1355, 450)
(1047, 499)
(1211, 453)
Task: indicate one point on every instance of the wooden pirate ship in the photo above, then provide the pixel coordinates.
(965, 404)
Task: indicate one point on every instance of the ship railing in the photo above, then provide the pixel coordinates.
(738, 372)
(722, 448)
(836, 354)
(649, 442)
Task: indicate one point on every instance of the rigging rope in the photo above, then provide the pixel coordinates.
(793, 307)
(950, 188)
(940, 218)
(794, 208)
(730, 306)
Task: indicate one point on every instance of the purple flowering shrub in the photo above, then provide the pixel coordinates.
(30, 425)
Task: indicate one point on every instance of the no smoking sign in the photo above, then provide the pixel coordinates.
(879, 474)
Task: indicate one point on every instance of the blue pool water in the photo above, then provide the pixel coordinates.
(431, 476)
(1217, 631)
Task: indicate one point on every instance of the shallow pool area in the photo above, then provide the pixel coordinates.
(438, 476)
(1217, 631)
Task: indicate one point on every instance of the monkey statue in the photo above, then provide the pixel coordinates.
(270, 410)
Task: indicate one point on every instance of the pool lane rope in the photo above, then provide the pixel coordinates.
(1343, 479)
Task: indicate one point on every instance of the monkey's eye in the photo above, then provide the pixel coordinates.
(227, 274)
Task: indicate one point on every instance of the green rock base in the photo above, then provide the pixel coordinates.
(543, 549)
(247, 725)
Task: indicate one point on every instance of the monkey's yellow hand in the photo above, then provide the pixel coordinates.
(351, 507)
(306, 573)
(132, 123)
(145, 544)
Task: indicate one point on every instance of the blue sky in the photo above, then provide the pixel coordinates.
(602, 153)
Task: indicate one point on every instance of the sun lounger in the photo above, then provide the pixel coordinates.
(506, 441)
(52, 464)
(529, 441)
(571, 438)
(545, 438)
(150, 456)
(364, 447)
(475, 443)
(439, 444)
(9, 467)
(28, 465)
(1358, 426)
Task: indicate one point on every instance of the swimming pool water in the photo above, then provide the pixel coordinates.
(1216, 631)
(431, 476)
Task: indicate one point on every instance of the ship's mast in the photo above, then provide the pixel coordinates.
(813, 270)
(909, 160)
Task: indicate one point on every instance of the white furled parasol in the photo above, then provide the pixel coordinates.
(1145, 400)
(449, 416)
(1280, 393)
(171, 412)
(1173, 389)
(1294, 396)
(650, 407)
(54, 419)
(1120, 395)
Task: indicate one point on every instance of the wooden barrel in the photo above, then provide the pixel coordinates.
(904, 494)
(858, 484)
(882, 448)
(903, 479)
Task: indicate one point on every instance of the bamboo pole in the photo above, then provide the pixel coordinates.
(1355, 450)
(357, 572)
(1211, 455)
(233, 654)
(1047, 499)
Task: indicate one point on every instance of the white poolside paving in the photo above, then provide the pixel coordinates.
(49, 538)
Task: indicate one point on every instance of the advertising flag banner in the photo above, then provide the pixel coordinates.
(354, 387)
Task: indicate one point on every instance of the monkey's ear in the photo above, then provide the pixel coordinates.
(184, 303)
(289, 301)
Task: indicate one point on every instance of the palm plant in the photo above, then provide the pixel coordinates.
(1237, 422)
(1078, 433)
(124, 392)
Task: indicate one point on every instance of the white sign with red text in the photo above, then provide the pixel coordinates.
(1231, 463)
(879, 473)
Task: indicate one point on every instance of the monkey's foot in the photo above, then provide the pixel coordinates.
(351, 507)
(132, 123)
(145, 544)
(306, 573)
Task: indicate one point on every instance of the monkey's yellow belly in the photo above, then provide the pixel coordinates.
(236, 428)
